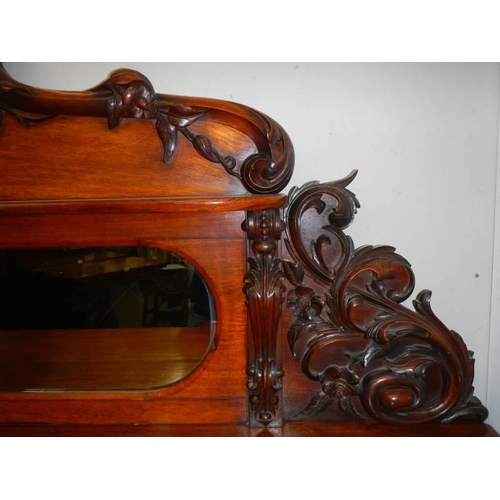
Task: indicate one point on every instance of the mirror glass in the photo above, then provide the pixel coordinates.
(101, 318)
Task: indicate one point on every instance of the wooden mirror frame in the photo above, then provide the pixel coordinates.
(204, 183)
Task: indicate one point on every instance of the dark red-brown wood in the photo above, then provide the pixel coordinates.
(121, 165)
(198, 138)
(312, 338)
(95, 359)
(351, 428)
(367, 354)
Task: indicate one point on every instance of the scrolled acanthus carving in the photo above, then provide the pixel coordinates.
(351, 332)
(129, 94)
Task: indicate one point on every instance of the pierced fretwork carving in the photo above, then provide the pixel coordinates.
(351, 333)
(264, 289)
(129, 94)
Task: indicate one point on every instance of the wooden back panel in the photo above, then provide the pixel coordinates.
(156, 145)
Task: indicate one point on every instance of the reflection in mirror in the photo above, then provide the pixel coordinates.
(100, 318)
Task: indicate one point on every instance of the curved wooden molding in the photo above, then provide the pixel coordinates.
(129, 94)
(351, 332)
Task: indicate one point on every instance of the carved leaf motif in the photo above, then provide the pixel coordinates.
(115, 109)
(430, 371)
(183, 116)
(413, 361)
(7, 87)
(297, 330)
(375, 351)
(294, 272)
(128, 93)
(471, 409)
(21, 118)
(346, 406)
(318, 403)
(111, 112)
(204, 147)
(168, 135)
(317, 248)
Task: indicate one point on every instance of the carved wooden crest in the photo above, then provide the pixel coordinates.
(129, 94)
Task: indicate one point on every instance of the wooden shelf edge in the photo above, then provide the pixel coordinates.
(289, 429)
(142, 205)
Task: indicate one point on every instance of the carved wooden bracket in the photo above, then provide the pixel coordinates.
(129, 94)
(264, 290)
(352, 334)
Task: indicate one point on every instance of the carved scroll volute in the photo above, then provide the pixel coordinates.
(129, 94)
(264, 290)
(352, 334)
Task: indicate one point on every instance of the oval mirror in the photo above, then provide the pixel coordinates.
(101, 319)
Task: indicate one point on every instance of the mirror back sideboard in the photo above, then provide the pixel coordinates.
(309, 333)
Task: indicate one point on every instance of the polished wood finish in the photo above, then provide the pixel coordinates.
(216, 391)
(93, 187)
(312, 338)
(253, 150)
(129, 358)
(369, 355)
(349, 429)
(264, 289)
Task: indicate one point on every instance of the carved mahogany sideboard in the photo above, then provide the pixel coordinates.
(309, 334)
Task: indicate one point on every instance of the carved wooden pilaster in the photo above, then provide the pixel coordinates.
(264, 290)
(129, 94)
(352, 335)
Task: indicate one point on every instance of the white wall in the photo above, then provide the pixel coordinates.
(424, 138)
(493, 397)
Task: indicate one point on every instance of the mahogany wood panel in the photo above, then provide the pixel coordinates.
(107, 229)
(112, 411)
(125, 168)
(215, 392)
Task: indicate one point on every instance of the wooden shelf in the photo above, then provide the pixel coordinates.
(132, 358)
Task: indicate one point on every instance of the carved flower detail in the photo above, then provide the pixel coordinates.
(138, 101)
(336, 381)
(305, 303)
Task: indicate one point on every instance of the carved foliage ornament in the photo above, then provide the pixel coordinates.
(129, 94)
(351, 333)
(25, 119)
(264, 290)
(136, 98)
